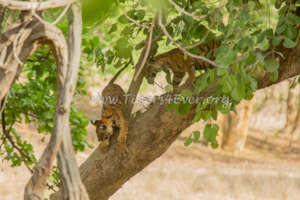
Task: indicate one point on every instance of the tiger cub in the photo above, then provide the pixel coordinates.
(113, 114)
(176, 61)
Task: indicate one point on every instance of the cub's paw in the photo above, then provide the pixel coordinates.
(104, 145)
(122, 146)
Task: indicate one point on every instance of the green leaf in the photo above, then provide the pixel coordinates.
(221, 71)
(269, 33)
(281, 28)
(140, 14)
(187, 93)
(172, 106)
(293, 84)
(228, 83)
(290, 32)
(201, 84)
(278, 4)
(274, 76)
(140, 45)
(289, 43)
(237, 3)
(210, 132)
(197, 117)
(297, 3)
(225, 56)
(168, 88)
(271, 65)
(251, 59)
(94, 11)
(188, 141)
(276, 40)
(238, 93)
(184, 108)
(196, 136)
(123, 20)
(211, 77)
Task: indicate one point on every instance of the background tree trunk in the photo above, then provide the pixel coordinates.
(234, 127)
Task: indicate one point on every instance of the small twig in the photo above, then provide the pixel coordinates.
(185, 12)
(10, 140)
(206, 34)
(3, 104)
(163, 28)
(62, 14)
(158, 85)
(147, 50)
(200, 42)
(135, 22)
(33, 11)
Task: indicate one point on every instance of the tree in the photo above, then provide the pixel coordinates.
(254, 51)
(17, 44)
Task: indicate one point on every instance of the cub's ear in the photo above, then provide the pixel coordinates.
(95, 122)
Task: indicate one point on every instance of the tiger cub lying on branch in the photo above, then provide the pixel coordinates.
(179, 64)
(113, 115)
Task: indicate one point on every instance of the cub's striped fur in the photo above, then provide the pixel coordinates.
(179, 64)
(113, 114)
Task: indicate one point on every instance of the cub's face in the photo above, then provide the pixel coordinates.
(105, 126)
(102, 135)
(152, 69)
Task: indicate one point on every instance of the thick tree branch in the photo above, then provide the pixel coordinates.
(34, 36)
(37, 6)
(72, 187)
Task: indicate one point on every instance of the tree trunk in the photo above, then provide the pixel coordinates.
(234, 127)
(291, 113)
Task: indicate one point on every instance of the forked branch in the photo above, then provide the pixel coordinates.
(139, 68)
